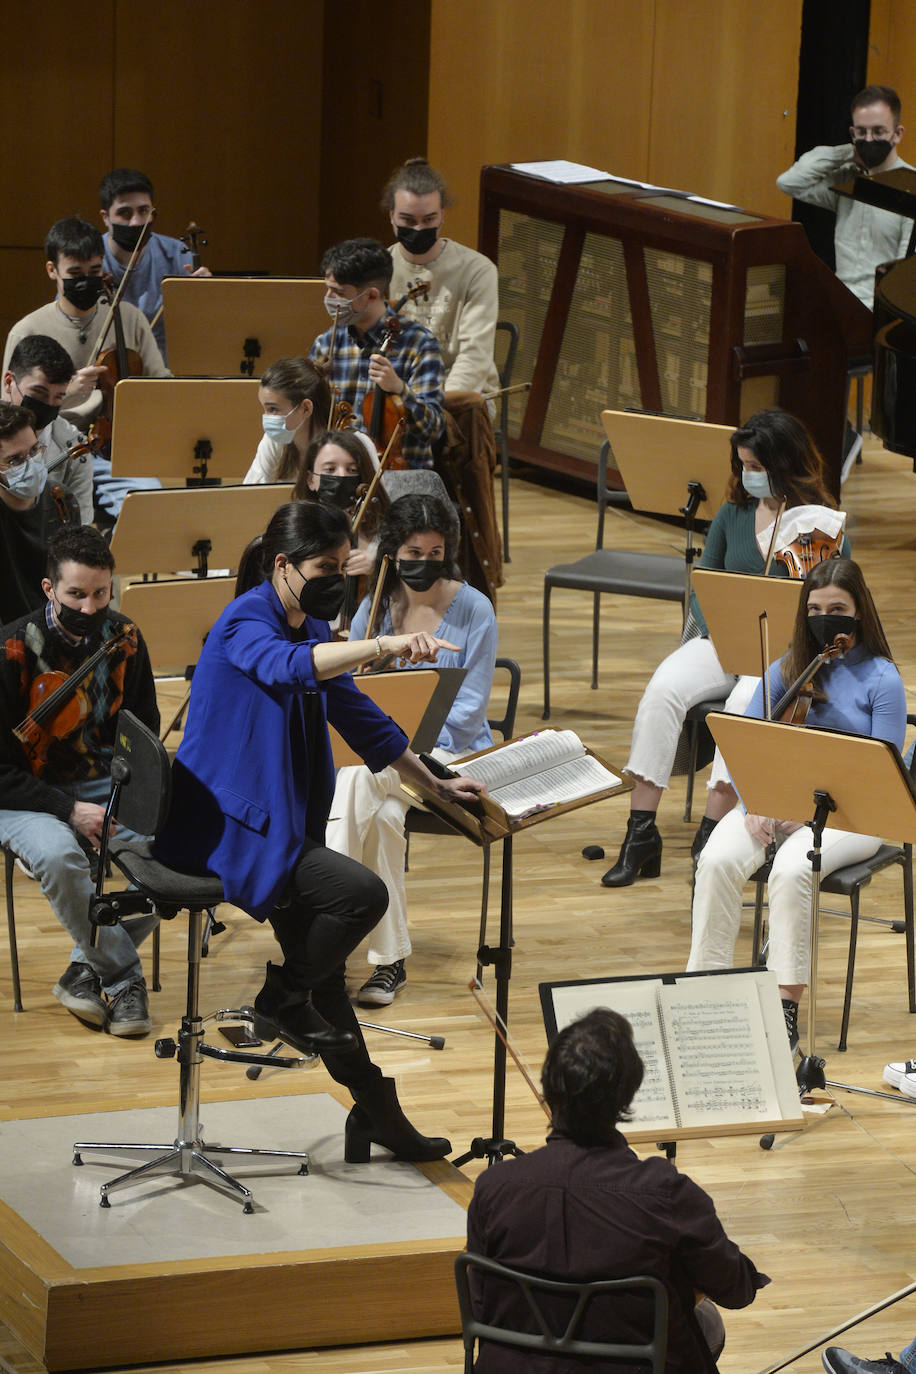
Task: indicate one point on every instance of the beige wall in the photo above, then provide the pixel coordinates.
(697, 94)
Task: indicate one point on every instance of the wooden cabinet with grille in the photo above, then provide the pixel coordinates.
(633, 299)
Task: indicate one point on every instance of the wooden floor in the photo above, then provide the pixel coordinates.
(829, 1216)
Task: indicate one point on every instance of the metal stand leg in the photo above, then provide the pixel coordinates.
(188, 1154)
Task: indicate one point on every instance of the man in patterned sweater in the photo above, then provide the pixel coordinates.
(52, 796)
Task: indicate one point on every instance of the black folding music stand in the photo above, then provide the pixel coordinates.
(806, 775)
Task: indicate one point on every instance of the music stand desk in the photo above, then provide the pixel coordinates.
(175, 616)
(209, 319)
(732, 604)
(409, 697)
(158, 422)
(657, 457)
(158, 531)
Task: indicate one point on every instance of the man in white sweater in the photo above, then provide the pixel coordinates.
(463, 299)
(864, 236)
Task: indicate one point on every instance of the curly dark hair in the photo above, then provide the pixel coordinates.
(359, 262)
(416, 515)
(80, 544)
(591, 1075)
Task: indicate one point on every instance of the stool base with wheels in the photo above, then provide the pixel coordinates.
(188, 1154)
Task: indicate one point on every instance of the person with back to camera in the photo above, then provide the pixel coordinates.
(422, 591)
(860, 692)
(772, 455)
(585, 1206)
(253, 781)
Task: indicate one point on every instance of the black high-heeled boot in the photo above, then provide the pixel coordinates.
(377, 1119)
(704, 830)
(640, 854)
(284, 1011)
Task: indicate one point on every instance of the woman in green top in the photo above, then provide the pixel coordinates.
(772, 455)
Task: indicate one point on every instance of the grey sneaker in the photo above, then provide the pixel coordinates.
(129, 1010)
(381, 989)
(79, 989)
(838, 1361)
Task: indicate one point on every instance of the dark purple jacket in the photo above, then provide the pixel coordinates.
(573, 1212)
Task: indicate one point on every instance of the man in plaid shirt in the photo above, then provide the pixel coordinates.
(52, 797)
(357, 274)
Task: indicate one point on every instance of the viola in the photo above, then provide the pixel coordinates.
(58, 705)
(809, 549)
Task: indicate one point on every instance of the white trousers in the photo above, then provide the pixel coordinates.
(367, 824)
(739, 699)
(685, 678)
(731, 855)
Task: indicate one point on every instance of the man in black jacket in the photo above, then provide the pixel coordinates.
(54, 779)
(585, 1207)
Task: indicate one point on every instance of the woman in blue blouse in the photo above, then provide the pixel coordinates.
(860, 692)
(253, 781)
(423, 593)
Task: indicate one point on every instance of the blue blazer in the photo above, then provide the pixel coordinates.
(254, 774)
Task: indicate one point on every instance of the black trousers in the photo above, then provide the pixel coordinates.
(333, 903)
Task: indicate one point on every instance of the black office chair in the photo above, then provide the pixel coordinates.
(624, 572)
(557, 1336)
(9, 862)
(501, 430)
(420, 822)
(848, 882)
(140, 798)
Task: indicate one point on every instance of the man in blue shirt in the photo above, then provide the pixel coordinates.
(357, 275)
(127, 203)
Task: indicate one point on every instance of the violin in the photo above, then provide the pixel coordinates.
(57, 704)
(191, 237)
(809, 549)
(793, 706)
(383, 412)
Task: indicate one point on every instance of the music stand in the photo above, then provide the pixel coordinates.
(804, 775)
(170, 531)
(671, 467)
(417, 699)
(732, 604)
(198, 431)
(223, 326)
(176, 616)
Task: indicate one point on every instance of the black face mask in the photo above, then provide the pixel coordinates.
(872, 151)
(83, 292)
(418, 241)
(337, 489)
(825, 628)
(77, 622)
(43, 413)
(420, 573)
(322, 597)
(126, 236)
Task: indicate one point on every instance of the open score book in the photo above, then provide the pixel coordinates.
(548, 768)
(714, 1046)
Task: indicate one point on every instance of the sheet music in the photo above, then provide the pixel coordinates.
(545, 769)
(718, 1052)
(561, 172)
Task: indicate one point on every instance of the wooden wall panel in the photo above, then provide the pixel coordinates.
(513, 82)
(892, 59)
(220, 102)
(725, 82)
(689, 93)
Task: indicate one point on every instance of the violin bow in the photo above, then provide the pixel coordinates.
(122, 285)
(377, 597)
(377, 476)
(768, 561)
(502, 1030)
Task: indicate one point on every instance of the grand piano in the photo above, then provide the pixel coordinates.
(630, 297)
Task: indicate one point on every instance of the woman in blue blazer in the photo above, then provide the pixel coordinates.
(252, 787)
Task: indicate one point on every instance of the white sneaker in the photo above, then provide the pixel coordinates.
(902, 1076)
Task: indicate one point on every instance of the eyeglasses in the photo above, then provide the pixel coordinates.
(878, 133)
(15, 460)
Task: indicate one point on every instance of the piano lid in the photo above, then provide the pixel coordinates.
(894, 190)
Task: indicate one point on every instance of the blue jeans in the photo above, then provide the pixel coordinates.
(908, 1356)
(52, 851)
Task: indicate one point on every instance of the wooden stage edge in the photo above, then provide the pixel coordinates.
(71, 1318)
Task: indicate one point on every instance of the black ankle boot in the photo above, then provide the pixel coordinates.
(790, 1012)
(704, 830)
(640, 854)
(377, 1119)
(285, 1012)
